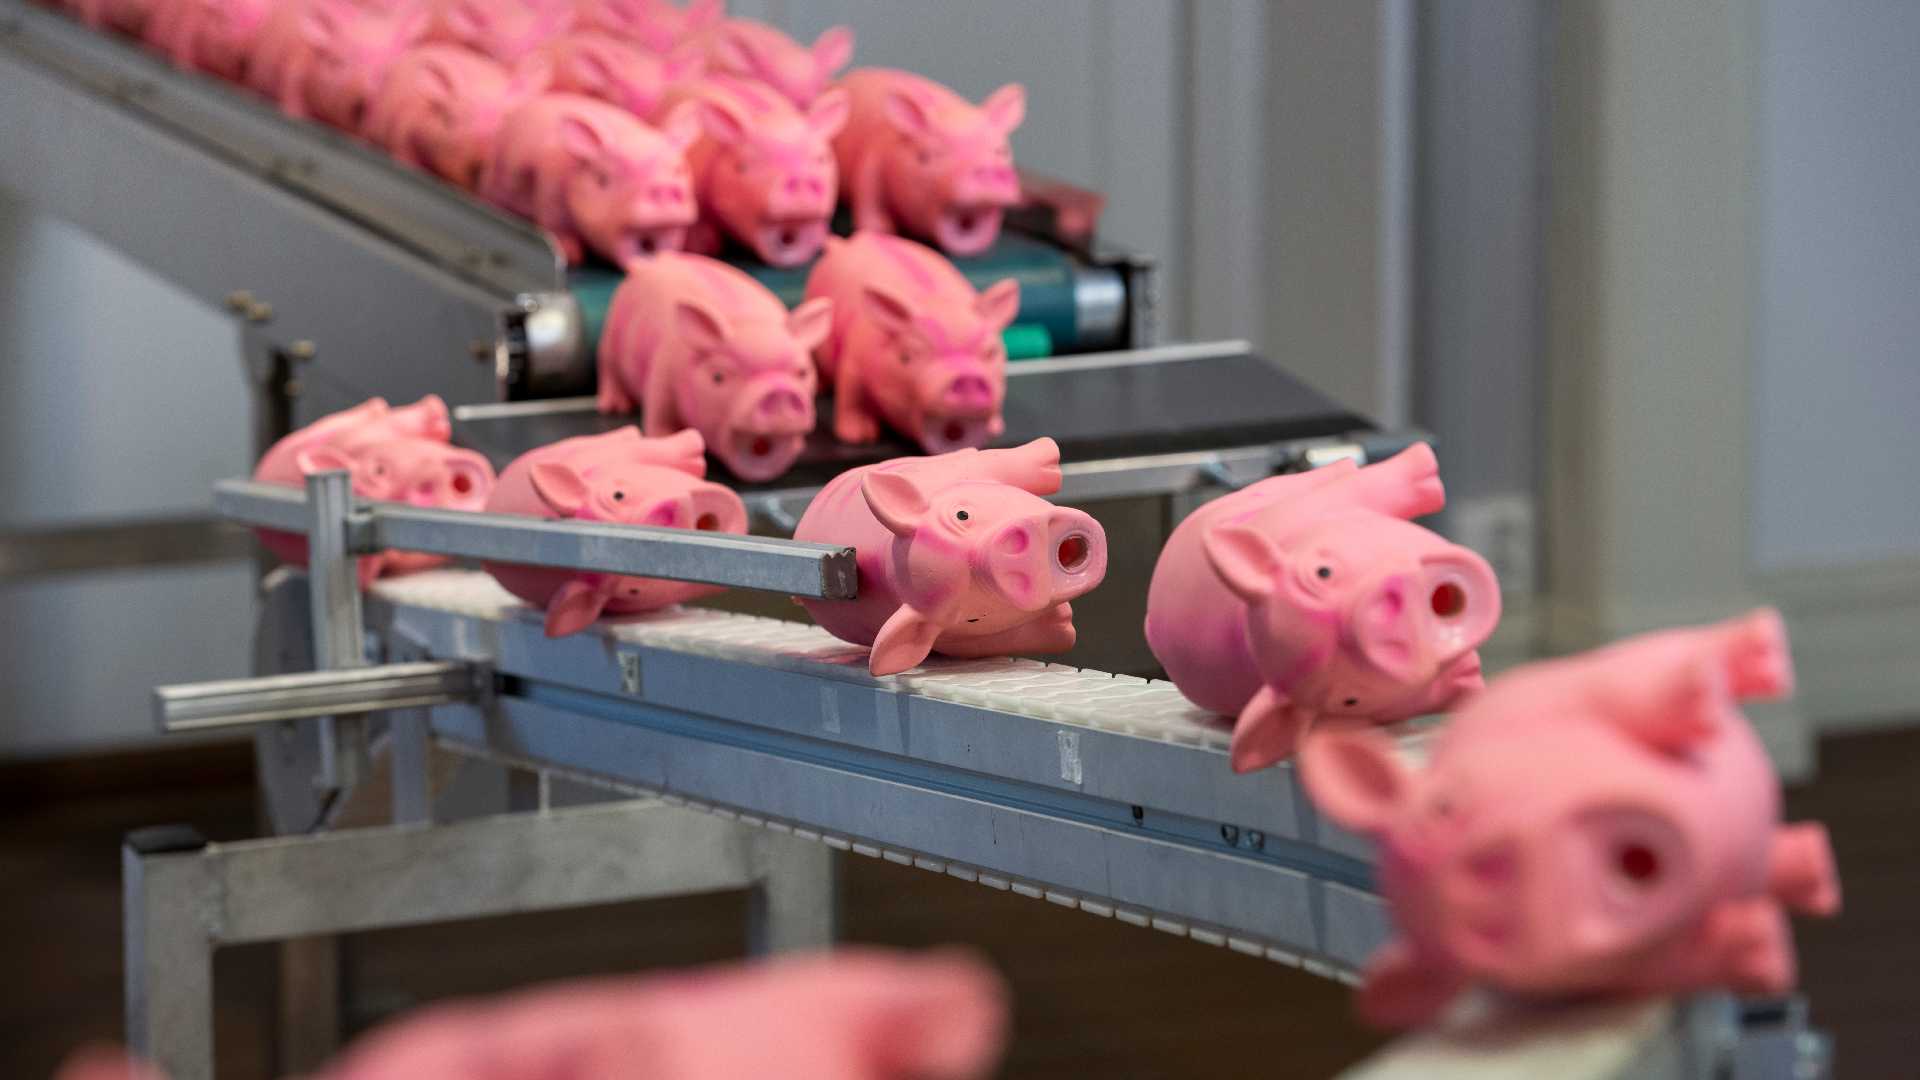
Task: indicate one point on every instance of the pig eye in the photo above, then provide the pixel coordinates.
(905, 358)
(619, 496)
(719, 377)
(1351, 702)
(1323, 573)
(960, 515)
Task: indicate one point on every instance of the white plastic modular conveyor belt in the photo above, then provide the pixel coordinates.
(1108, 793)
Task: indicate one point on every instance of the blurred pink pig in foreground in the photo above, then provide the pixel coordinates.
(507, 30)
(325, 58)
(695, 343)
(764, 173)
(615, 70)
(1312, 598)
(594, 176)
(912, 343)
(660, 26)
(918, 159)
(1607, 823)
(214, 36)
(854, 1014)
(751, 49)
(393, 455)
(126, 16)
(619, 478)
(958, 554)
(441, 106)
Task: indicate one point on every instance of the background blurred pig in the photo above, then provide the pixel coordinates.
(698, 344)
(441, 107)
(214, 36)
(958, 554)
(126, 16)
(918, 159)
(507, 30)
(1604, 823)
(751, 49)
(1312, 597)
(616, 477)
(325, 58)
(659, 25)
(764, 173)
(912, 343)
(593, 175)
(616, 70)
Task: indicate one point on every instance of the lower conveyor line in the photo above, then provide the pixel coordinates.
(1106, 793)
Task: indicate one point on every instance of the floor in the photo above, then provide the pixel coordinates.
(1093, 997)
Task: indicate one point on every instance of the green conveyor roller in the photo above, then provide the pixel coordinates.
(1049, 317)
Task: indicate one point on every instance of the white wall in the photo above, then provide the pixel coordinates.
(1837, 412)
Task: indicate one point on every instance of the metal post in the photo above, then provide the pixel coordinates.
(794, 904)
(168, 951)
(337, 628)
(409, 752)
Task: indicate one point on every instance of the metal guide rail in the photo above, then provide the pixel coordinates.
(1106, 793)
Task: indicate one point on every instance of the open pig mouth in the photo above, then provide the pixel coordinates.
(761, 455)
(968, 230)
(641, 243)
(790, 243)
(943, 433)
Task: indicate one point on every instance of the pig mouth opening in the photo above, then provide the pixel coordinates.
(940, 434)
(968, 230)
(1073, 552)
(1448, 600)
(760, 455)
(790, 243)
(707, 523)
(642, 243)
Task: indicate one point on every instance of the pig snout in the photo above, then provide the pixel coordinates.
(1036, 562)
(989, 183)
(967, 395)
(805, 194)
(1413, 621)
(775, 407)
(670, 513)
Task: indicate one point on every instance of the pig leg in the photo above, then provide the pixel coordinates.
(704, 237)
(853, 419)
(658, 417)
(368, 568)
(1461, 679)
(571, 247)
(578, 603)
(1033, 467)
(612, 398)
(868, 195)
(1754, 649)
(1406, 485)
(1402, 989)
(1050, 633)
(1800, 871)
(1751, 947)
(1267, 730)
(684, 451)
(903, 642)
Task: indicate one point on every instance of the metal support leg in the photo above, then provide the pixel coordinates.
(794, 903)
(411, 753)
(337, 627)
(169, 954)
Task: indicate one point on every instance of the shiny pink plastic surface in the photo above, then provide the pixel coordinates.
(695, 343)
(441, 107)
(617, 477)
(913, 344)
(916, 158)
(323, 59)
(750, 49)
(594, 176)
(616, 70)
(764, 171)
(958, 554)
(506, 30)
(1312, 598)
(1606, 823)
(214, 36)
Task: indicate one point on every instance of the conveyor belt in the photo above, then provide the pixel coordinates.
(1101, 792)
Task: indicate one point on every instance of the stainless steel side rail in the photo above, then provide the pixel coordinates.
(236, 703)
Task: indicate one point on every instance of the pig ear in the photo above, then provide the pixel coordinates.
(1245, 559)
(1354, 778)
(560, 487)
(533, 74)
(885, 307)
(414, 23)
(907, 115)
(579, 138)
(1006, 107)
(828, 113)
(721, 121)
(896, 500)
(683, 63)
(699, 326)
(320, 24)
(321, 459)
(683, 125)
(832, 50)
(1000, 303)
(734, 52)
(439, 79)
(811, 321)
(468, 19)
(705, 12)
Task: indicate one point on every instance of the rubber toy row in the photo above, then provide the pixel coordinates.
(622, 126)
(1608, 823)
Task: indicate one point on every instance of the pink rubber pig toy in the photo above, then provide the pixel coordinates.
(593, 175)
(660, 26)
(1603, 823)
(616, 70)
(750, 49)
(441, 106)
(764, 173)
(852, 1014)
(325, 58)
(617, 477)
(126, 16)
(918, 159)
(912, 343)
(698, 344)
(214, 36)
(1312, 598)
(507, 30)
(394, 455)
(958, 554)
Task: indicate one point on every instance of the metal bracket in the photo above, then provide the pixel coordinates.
(237, 703)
